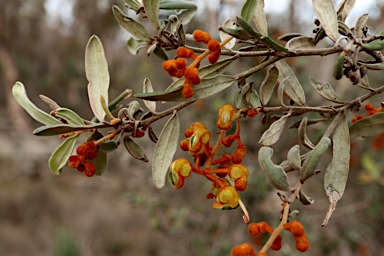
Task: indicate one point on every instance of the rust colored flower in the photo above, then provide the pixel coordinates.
(243, 250)
(302, 244)
(87, 150)
(276, 245)
(356, 118)
(295, 227)
(187, 90)
(257, 228)
(369, 107)
(214, 57)
(185, 53)
(214, 46)
(239, 154)
(201, 36)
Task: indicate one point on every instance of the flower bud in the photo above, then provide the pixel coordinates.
(239, 154)
(295, 227)
(201, 36)
(243, 250)
(276, 245)
(228, 198)
(239, 173)
(214, 57)
(185, 52)
(179, 170)
(226, 113)
(192, 128)
(214, 46)
(302, 244)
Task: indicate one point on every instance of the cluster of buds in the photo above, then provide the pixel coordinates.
(255, 229)
(178, 67)
(371, 110)
(197, 143)
(86, 151)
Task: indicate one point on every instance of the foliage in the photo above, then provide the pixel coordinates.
(239, 40)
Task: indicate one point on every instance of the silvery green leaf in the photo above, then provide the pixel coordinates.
(336, 174)
(51, 130)
(108, 146)
(208, 71)
(272, 135)
(301, 42)
(70, 116)
(100, 162)
(303, 134)
(360, 24)
(134, 149)
(185, 10)
(326, 13)
(294, 158)
(254, 9)
(237, 32)
(60, 156)
(268, 85)
(151, 8)
(368, 126)
(147, 87)
(20, 94)
(254, 99)
(276, 175)
(229, 23)
(51, 103)
(165, 149)
(325, 90)
(292, 85)
(344, 9)
(132, 26)
(160, 53)
(135, 45)
(96, 70)
(206, 88)
(132, 4)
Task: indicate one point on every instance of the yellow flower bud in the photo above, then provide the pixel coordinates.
(239, 173)
(228, 198)
(226, 114)
(179, 170)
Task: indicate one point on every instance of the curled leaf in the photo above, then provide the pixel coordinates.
(325, 90)
(344, 9)
(303, 134)
(134, 149)
(304, 199)
(165, 149)
(301, 42)
(20, 94)
(294, 158)
(326, 13)
(360, 24)
(135, 45)
(185, 9)
(229, 23)
(268, 85)
(147, 87)
(272, 135)
(60, 156)
(368, 126)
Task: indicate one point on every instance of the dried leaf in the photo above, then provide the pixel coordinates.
(151, 8)
(301, 42)
(229, 23)
(292, 85)
(268, 85)
(344, 9)
(96, 70)
(135, 45)
(52, 130)
(336, 175)
(275, 173)
(165, 149)
(272, 135)
(325, 90)
(360, 24)
(303, 134)
(70, 116)
(206, 88)
(134, 149)
(368, 126)
(294, 158)
(147, 87)
(20, 94)
(132, 26)
(326, 13)
(60, 156)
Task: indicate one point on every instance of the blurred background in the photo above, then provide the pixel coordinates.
(42, 44)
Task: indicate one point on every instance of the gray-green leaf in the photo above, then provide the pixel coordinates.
(152, 11)
(344, 9)
(336, 175)
(360, 24)
(185, 9)
(60, 156)
(292, 85)
(135, 45)
(268, 85)
(20, 94)
(100, 162)
(326, 13)
(301, 42)
(368, 126)
(303, 134)
(96, 70)
(325, 90)
(272, 135)
(147, 87)
(52, 130)
(132, 26)
(294, 158)
(165, 149)
(134, 149)
(69, 115)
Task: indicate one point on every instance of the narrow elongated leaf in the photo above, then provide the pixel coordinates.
(301, 42)
(134, 149)
(294, 158)
(70, 116)
(272, 135)
(96, 70)
(207, 87)
(60, 156)
(52, 130)
(151, 8)
(268, 85)
(185, 9)
(292, 85)
(289, 36)
(135, 45)
(360, 24)
(260, 18)
(248, 9)
(325, 90)
(326, 13)
(344, 9)
(147, 87)
(336, 174)
(368, 126)
(303, 134)
(132, 26)
(276, 175)
(208, 71)
(165, 149)
(20, 94)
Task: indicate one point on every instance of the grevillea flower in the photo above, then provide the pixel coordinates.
(226, 114)
(179, 170)
(227, 198)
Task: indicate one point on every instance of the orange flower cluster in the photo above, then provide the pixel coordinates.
(256, 229)
(86, 151)
(298, 233)
(178, 67)
(371, 111)
(197, 143)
